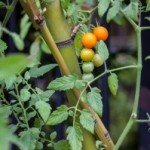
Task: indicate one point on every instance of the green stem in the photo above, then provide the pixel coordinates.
(143, 121)
(113, 70)
(124, 134)
(145, 28)
(29, 86)
(5, 101)
(22, 107)
(7, 2)
(9, 12)
(138, 80)
(88, 11)
(76, 107)
(137, 91)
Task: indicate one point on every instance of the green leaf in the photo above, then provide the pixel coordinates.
(39, 146)
(12, 65)
(27, 75)
(75, 137)
(10, 81)
(103, 6)
(63, 83)
(120, 20)
(3, 46)
(5, 111)
(65, 4)
(87, 121)
(95, 100)
(132, 11)
(80, 1)
(58, 116)
(148, 57)
(35, 53)
(84, 28)
(31, 114)
(102, 50)
(113, 11)
(53, 135)
(79, 84)
(99, 144)
(147, 18)
(77, 43)
(113, 83)
(7, 138)
(71, 9)
(44, 47)
(29, 138)
(24, 26)
(44, 95)
(2, 4)
(148, 5)
(37, 72)
(25, 95)
(19, 43)
(62, 145)
(44, 109)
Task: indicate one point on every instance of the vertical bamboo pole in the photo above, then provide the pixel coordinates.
(61, 32)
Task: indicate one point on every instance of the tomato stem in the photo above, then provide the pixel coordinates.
(137, 91)
(10, 9)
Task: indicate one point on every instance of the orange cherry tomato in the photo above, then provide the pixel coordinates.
(89, 40)
(101, 33)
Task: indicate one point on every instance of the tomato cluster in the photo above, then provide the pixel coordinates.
(88, 56)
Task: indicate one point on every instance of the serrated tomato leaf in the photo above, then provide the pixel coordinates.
(63, 83)
(113, 83)
(102, 50)
(44, 109)
(58, 116)
(95, 100)
(75, 137)
(87, 120)
(103, 6)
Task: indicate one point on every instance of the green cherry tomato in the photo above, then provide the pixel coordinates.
(87, 67)
(87, 77)
(97, 60)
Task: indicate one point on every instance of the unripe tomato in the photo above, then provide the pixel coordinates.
(87, 77)
(87, 67)
(89, 40)
(101, 33)
(87, 54)
(97, 60)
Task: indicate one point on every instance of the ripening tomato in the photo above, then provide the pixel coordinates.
(87, 77)
(97, 60)
(87, 67)
(89, 40)
(87, 54)
(101, 33)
